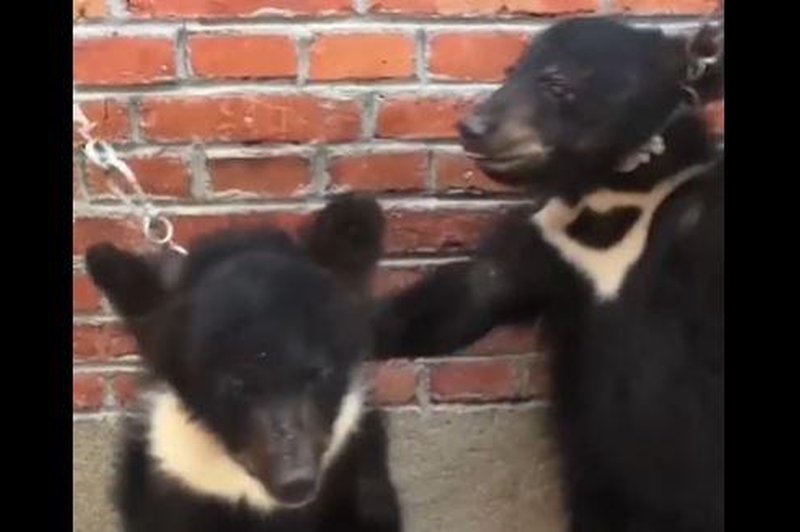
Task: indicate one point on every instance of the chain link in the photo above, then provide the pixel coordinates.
(157, 228)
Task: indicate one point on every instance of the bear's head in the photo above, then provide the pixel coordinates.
(586, 94)
(258, 341)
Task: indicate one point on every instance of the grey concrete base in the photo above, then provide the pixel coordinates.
(93, 454)
(476, 470)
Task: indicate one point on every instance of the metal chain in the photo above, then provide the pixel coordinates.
(157, 228)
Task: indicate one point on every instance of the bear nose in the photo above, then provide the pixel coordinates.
(474, 126)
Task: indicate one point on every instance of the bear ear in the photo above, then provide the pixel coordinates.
(346, 237)
(134, 284)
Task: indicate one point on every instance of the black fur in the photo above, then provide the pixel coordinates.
(602, 230)
(638, 378)
(260, 339)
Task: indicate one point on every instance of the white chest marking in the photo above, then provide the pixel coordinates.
(192, 455)
(606, 269)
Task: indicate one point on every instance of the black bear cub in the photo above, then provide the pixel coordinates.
(621, 258)
(252, 419)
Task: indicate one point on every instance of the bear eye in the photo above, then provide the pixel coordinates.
(317, 374)
(555, 84)
(231, 386)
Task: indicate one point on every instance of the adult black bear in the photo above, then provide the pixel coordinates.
(622, 259)
(252, 421)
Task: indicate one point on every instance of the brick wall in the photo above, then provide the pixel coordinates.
(235, 112)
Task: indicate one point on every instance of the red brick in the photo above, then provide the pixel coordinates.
(485, 7)
(272, 177)
(123, 61)
(231, 56)
(110, 118)
(88, 392)
(85, 296)
(88, 231)
(426, 118)
(395, 172)
(505, 341)
(456, 173)
(442, 231)
(473, 381)
(88, 9)
(362, 56)
(78, 190)
(715, 114)
(158, 176)
(393, 382)
(250, 119)
(235, 8)
(666, 7)
(126, 234)
(188, 228)
(475, 56)
(537, 382)
(125, 387)
(388, 281)
(101, 342)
